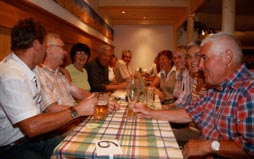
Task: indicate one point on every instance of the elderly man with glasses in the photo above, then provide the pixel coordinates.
(25, 131)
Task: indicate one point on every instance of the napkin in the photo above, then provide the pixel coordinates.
(108, 147)
(120, 94)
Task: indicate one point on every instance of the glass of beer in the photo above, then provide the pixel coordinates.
(102, 106)
(132, 92)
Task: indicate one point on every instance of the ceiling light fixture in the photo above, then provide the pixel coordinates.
(123, 12)
(144, 17)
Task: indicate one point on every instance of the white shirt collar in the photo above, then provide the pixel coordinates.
(173, 69)
(30, 73)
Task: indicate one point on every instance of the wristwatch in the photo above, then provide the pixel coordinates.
(215, 145)
(74, 113)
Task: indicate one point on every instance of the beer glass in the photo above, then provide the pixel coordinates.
(132, 92)
(101, 109)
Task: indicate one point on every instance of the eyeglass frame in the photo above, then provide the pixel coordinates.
(56, 45)
(197, 55)
(81, 52)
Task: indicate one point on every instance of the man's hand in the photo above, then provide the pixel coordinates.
(122, 85)
(159, 94)
(112, 106)
(197, 148)
(164, 106)
(142, 110)
(87, 106)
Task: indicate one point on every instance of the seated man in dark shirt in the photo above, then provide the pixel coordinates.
(97, 71)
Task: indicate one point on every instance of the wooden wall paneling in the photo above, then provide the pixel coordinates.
(12, 11)
(5, 43)
(87, 14)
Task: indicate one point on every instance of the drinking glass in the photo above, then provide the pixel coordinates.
(101, 109)
(150, 96)
(132, 92)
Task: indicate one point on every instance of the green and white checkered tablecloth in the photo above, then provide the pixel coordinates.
(139, 138)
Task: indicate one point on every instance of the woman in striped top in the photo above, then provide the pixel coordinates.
(193, 57)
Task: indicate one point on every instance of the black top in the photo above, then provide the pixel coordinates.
(97, 76)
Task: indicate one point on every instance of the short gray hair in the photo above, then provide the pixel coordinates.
(124, 52)
(180, 48)
(51, 38)
(103, 48)
(194, 43)
(223, 41)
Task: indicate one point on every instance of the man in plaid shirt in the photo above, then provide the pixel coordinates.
(225, 114)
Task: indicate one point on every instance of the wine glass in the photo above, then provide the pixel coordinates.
(132, 91)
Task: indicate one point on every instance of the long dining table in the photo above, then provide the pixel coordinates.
(138, 138)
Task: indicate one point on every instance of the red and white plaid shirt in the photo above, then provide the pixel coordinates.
(227, 113)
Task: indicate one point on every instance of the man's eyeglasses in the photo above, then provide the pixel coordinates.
(196, 56)
(56, 45)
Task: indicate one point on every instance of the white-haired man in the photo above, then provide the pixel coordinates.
(225, 112)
